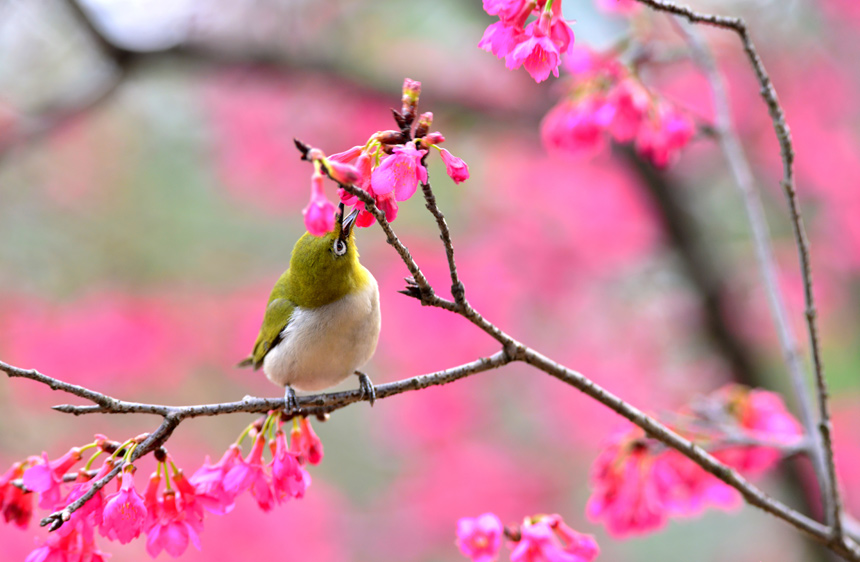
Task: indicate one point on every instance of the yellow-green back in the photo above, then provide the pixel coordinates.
(317, 276)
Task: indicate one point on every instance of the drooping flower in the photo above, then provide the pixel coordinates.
(124, 512)
(190, 503)
(577, 127)
(693, 490)
(629, 489)
(305, 443)
(89, 515)
(172, 530)
(17, 504)
(250, 474)
(480, 538)
(548, 539)
(536, 52)
(631, 102)
(289, 478)
(319, 213)
(500, 39)
(760, 415)
(46, 477)
(662, 137)
(454, 166)
(400, 172)
(152, 502)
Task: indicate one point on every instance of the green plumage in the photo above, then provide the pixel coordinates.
(316, 277)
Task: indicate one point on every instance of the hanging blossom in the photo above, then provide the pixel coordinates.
(638, 483)
(538, 45)
(171, 509)
(607, 101)
(541, 538)
(389, 167)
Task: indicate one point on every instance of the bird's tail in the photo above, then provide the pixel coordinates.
(246, 362)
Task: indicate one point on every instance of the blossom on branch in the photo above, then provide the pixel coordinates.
(541, 538)
(538, 46)
(638, 483)
(605, 101)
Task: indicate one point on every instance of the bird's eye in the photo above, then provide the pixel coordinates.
(339, 247)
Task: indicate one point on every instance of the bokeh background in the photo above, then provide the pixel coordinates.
(150, 196)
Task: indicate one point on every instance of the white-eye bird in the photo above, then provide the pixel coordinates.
(322, 320)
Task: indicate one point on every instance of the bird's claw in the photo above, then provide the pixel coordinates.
(291, 403)
(368, 392)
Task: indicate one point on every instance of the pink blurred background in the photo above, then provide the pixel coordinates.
(139, 239)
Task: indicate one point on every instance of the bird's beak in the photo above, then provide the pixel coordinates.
(347, 223)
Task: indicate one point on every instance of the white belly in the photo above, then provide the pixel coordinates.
(323, 346)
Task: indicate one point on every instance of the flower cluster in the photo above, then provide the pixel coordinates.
(541, 538)
(537, 45)
(606, 100)
(638, 483)
(171, 518)
(389, 167)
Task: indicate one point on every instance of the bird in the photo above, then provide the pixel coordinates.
(322, 320)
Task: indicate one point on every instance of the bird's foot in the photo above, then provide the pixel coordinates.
(368, 392)
(291, 403)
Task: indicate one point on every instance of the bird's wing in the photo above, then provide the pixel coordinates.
(278, 315)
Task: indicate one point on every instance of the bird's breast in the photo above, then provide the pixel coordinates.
(322, 346)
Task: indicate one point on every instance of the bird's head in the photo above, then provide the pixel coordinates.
(325, 268)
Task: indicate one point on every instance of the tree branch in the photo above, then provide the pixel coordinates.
(741, 171)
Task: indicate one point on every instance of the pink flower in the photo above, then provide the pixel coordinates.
(480, 538)
(628, 491)
(319, 214)
(536, 52)
(13, 473)
(400, 172)
(152, 502)
(289, 479)
(305, 443)
(124, 512)
(631, 102)
(577, 128)
(548, 539)
(172, 530)
(693, 490)
(17, 504)
(456, 167)
(761, 415)
(662, 137)
(189, 501)
(249, 474)
(46, 477)
(500, 39)
(208, 482)
(90, 514)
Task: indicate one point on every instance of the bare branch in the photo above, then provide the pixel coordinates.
(740, 168)
(458, 291)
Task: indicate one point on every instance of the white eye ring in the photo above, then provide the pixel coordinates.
(339, 247)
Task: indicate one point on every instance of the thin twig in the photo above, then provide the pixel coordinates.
(823, 458)
(458, 291)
